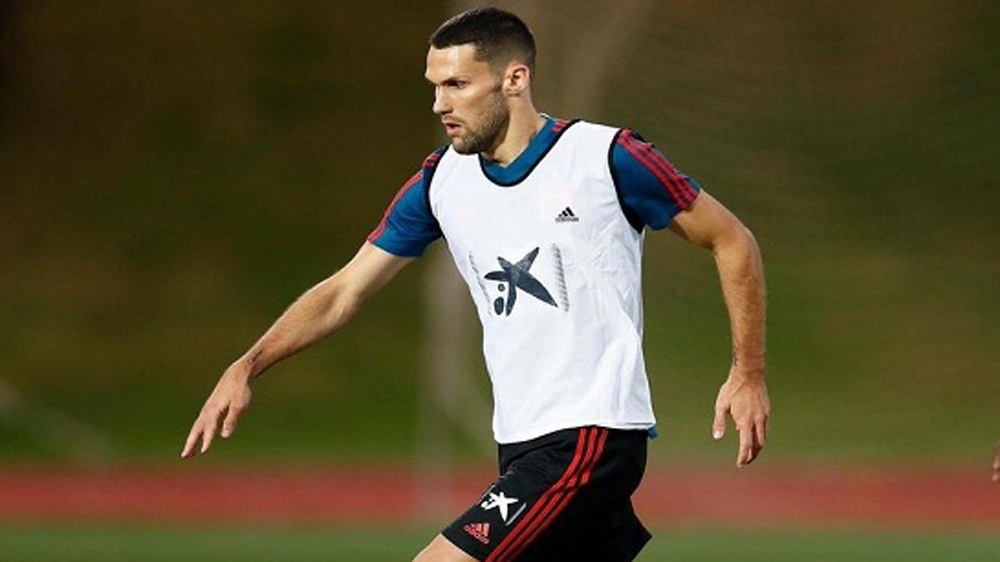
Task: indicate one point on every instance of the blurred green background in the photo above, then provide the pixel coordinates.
(173, 174)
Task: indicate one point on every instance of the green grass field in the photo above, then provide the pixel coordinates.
(245, 544)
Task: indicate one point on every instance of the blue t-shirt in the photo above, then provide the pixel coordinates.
(650, 189)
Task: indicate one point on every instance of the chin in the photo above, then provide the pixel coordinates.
(462, 147)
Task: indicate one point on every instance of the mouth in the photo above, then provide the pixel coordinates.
(452, 128)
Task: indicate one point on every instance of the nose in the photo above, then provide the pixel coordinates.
(442, 105)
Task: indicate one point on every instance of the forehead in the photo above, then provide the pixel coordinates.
(450, 62)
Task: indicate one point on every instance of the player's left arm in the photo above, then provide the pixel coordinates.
(707, 223)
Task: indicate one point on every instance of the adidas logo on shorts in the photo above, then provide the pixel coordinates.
(480, 531)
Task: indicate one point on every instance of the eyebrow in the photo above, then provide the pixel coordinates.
(449, 79)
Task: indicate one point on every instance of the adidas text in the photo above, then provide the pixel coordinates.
(479, 531)
(567, 215)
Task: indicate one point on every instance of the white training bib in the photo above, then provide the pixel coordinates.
(554, 269)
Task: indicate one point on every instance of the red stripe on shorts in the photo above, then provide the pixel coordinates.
(589, 447)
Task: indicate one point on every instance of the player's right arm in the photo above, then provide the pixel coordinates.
(406, 229)
(317, 313)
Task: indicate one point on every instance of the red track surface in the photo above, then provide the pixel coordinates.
(756, 496)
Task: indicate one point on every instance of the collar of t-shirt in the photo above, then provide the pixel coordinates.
(525, 162)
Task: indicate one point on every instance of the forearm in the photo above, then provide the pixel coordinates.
(741, 274)
(320, 311)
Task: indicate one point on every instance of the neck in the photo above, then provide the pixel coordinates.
(522, 128)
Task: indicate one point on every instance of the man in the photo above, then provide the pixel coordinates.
(544, 219)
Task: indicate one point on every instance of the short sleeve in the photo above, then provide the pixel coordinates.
(408, 226)
(650, 189)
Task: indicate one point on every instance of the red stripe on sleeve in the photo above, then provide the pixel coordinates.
(380, 229)
(429, 163)
(560, 125)
(680, 190)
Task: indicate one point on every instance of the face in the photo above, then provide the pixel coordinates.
(468, 96)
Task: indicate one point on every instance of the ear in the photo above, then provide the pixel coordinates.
(517, 78)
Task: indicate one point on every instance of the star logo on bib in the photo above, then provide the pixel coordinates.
(514, 276)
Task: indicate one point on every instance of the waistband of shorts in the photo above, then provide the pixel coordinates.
(571, 435)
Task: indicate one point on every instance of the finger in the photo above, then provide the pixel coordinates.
(192, 440)
(229, 425)
(208, 422)
(996, 464)
(746, 446)
(719, 423)
(208, 436)
(760, 433)
(757, 444)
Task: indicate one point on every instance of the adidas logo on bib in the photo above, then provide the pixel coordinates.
(567, 216)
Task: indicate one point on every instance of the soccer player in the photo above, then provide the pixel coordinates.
(544, 219)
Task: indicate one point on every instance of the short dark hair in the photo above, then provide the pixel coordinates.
(499, 36)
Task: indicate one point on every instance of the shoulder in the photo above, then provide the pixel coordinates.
(430, 163)
(591, 142)
(652, 190)
(591, 131)
(408, 224)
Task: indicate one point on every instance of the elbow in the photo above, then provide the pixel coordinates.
(737, 255)
(337, 302)
(748, 239)
(737, 239)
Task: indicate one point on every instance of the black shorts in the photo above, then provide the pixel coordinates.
(563, 496)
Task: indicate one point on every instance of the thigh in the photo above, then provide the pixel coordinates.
(561, 496)
(442, 550)
(600, 523)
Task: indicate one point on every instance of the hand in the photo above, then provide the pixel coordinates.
(229, 399)
(744, 397)
(996, 463)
